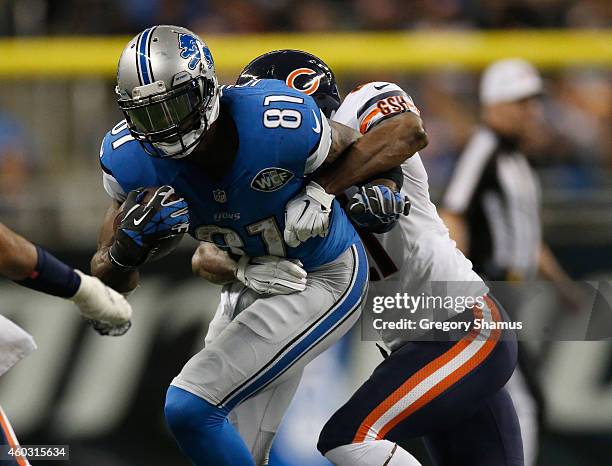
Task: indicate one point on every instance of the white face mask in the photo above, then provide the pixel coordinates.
(174, 149)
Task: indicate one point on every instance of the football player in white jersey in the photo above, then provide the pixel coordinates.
(448, 392)
(33, 267)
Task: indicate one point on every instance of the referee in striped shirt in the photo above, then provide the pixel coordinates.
(492, 207)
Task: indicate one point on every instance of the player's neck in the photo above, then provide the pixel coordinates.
(216, 153)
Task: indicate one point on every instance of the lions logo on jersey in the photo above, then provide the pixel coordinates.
(190, 49)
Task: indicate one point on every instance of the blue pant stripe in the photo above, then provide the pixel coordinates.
(341, 310)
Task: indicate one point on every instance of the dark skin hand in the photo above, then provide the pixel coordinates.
(121, 280)
(385, 146)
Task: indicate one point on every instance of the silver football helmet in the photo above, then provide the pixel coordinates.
(168, 90)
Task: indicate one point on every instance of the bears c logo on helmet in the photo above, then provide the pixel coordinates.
(309, 87)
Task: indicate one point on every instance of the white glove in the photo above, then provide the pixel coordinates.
(270, 275)
(108, 311)
(307, 215)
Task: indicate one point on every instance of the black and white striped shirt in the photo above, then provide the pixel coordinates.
(498, 194)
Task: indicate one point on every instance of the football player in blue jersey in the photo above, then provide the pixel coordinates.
(242, 158)
(376, 207)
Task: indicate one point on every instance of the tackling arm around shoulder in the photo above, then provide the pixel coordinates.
(122, 280)
(385, 146)
(351, 160)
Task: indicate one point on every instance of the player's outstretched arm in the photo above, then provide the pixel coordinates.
(17, 255)
(385, 146)
(123, 280)
(33, 267)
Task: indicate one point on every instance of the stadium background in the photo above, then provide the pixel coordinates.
(57, 63)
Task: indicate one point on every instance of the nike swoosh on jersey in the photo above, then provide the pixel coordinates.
(380, 87)
(316, 129)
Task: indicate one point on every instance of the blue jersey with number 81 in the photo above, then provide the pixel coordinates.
(283, 137)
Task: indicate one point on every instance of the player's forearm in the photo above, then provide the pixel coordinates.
(386, 146)
(214, 265)
(17, 255)
(122, 280)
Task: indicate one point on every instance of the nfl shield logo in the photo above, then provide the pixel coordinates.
(219, 195)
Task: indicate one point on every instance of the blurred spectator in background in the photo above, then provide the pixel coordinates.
(16, 161)
(492, 208)
(37, 17)
(447, 100)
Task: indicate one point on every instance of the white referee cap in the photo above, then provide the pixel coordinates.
(509, 80)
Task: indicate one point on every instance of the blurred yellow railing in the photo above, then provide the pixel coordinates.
(69, 57)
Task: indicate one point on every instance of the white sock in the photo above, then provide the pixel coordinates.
(371, 453)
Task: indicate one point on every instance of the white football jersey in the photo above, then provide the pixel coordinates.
(15, 344)
(418, 251)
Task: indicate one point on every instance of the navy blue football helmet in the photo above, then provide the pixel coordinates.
(299, 70)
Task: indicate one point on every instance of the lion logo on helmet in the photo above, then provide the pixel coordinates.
(191, 49)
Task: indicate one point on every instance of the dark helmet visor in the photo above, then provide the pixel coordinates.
(158, 117)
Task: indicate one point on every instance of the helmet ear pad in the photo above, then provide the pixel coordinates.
(327, 103)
